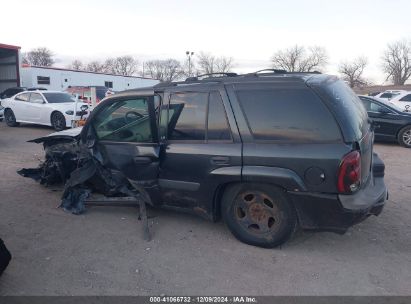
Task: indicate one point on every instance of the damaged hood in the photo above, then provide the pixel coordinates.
(66, 134)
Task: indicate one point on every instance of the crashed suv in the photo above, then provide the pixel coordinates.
(266, 152)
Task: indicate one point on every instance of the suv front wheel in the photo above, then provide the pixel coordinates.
(259, 215)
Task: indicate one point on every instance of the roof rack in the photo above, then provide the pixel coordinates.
(196, 78)
(278, 71)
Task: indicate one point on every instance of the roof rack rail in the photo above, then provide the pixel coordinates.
(226, 74)
(275, 71)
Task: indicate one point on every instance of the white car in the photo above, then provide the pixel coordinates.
(402, 101)
(48, 108)
(388, 95)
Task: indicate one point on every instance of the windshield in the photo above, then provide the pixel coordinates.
(58, 97)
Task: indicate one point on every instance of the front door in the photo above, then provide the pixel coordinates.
(124, 133)
(200, 147)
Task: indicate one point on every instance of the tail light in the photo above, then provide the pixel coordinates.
(349, 174)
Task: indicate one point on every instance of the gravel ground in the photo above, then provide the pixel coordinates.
(102, 251)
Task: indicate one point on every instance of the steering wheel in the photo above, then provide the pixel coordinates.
(132, 116)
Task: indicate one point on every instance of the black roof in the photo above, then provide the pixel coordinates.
(227, 78)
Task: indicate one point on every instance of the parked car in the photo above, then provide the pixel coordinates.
(1, 113)
(388, 95)
(48, 108)
(11, 92)
(402, 100)
(390, 122)
(84, 93)
(265, 151)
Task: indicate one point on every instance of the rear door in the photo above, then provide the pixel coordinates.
(35, 108)
(124, 133)
(19, 106)
(201, 144)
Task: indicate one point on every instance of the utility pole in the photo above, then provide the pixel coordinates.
(189, 55)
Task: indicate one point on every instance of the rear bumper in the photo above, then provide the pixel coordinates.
(329, 212)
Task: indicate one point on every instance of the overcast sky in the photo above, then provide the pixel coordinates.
(250, 31)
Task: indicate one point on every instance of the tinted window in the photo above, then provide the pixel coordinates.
(58, 97)
(126, 121)
(372, 106)
(386, 95)
(187, 113)
(36, 98)
(287, 114)
(23, 97)
(406, 98)
(217, 119)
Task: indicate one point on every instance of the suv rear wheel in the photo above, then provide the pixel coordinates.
(259, 215)
(404, 137)
(10, 118)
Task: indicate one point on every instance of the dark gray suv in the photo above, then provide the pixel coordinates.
(265, 151)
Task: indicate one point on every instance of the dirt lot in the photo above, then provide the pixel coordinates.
(102, 251)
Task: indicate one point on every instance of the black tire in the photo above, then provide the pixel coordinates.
(404, 137)
(58, 121)
(259, 215)
(10, 118)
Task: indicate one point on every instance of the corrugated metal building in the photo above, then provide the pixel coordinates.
(9, 66)
(60, 79)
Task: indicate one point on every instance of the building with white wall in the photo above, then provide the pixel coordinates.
(59, 79)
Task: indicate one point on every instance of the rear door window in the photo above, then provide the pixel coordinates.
(22, 97)
(287, 115)
(217, 128)
(187, 116)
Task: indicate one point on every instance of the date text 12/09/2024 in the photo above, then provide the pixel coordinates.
(201, 299)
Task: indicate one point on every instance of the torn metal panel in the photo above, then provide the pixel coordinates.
(80, 169)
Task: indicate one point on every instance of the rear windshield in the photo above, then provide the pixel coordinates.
(346, 106)
(58, 97)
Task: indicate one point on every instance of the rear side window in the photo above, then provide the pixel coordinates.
(406, 98)
(22, 97)
(187, 116)
(287, 115)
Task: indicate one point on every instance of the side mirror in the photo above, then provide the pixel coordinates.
(83, 107)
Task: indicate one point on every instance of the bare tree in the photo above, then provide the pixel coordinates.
(164, 70)
(95, 66)
(208, 63)
(352, 71)
(123, 65)
(300, 59)
(397, 61)
(76, 65)
(39, 57)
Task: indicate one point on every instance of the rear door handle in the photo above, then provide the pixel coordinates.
(220, 160)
